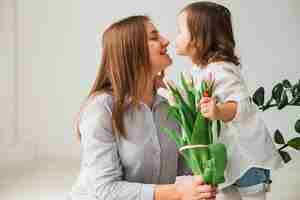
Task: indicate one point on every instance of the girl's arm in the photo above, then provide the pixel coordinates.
(226, 111)
(221, 111)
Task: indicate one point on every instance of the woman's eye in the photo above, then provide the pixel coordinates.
(154, 38)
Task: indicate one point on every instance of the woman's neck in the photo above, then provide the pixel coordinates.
(149, 94)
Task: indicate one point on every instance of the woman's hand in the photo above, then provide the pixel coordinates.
(193, 188)
(208, 107)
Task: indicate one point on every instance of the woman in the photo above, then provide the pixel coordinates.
(124, 154)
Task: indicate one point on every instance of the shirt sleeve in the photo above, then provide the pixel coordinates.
(100, 158)
(230, 86)
(183, 169)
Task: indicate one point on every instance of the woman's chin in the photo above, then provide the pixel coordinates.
(169, 62)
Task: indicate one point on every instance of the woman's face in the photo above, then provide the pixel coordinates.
(159, 57)
(183, 36)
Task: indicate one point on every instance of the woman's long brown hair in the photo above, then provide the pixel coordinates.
(125, 67)
(212, 38)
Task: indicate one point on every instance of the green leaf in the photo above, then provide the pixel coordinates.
(186, 125)
(174, 114)
(283, 101)
(277, 91)
(200, 131)
(202, 88)
(210, 132)
(189, 93)
(184, 83)
(294, 143)
(286, 83)
(295, 100)
(278, 138)
(297, 126)
(172, 134)
(200, 136)
(184, 108)
(259, 96)
(285, 156)
(218, 154)
(295, 90)
(219, 127)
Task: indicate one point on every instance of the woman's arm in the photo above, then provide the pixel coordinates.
(101, 172)
(102, 175)
(186, 189)
(169, 192)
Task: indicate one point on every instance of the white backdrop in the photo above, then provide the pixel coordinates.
(49, 55)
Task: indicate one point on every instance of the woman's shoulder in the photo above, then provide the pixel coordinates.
(97, 103)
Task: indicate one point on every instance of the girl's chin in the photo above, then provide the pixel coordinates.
(181, 53)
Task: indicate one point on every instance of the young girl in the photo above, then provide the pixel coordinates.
(206, 36)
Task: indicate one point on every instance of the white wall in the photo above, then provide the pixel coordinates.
(7, 80)
(10, 143)
(52, 68)
(50, 82)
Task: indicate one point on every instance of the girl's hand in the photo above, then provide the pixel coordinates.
(193, 188)
(208, 107)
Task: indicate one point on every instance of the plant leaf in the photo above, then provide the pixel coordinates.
(278, 138)
(259, 96)
(174, 114)
(286, 83)
(184, 108)
(297, 126)
(186, 125)
(189, 93)
(285, 156)
(219, 127)
(294, 143)
(219, 155)
(200, 131)
(277, 91)
(283, 101)
(203, 87)
(172, 134)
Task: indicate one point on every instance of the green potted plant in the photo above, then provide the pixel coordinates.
(284, 94)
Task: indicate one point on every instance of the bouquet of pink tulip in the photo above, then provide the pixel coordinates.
(198, 141)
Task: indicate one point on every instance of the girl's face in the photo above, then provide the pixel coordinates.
(183, 36)
(159, 58)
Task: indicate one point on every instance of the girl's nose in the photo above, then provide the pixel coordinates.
(165, 42)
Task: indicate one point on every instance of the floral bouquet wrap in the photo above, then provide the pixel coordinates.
(198, 141)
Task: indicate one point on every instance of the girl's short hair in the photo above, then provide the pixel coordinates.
(212, 38)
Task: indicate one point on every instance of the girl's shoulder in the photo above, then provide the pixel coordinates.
(224, 67)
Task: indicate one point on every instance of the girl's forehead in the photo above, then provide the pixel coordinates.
(182, 17)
